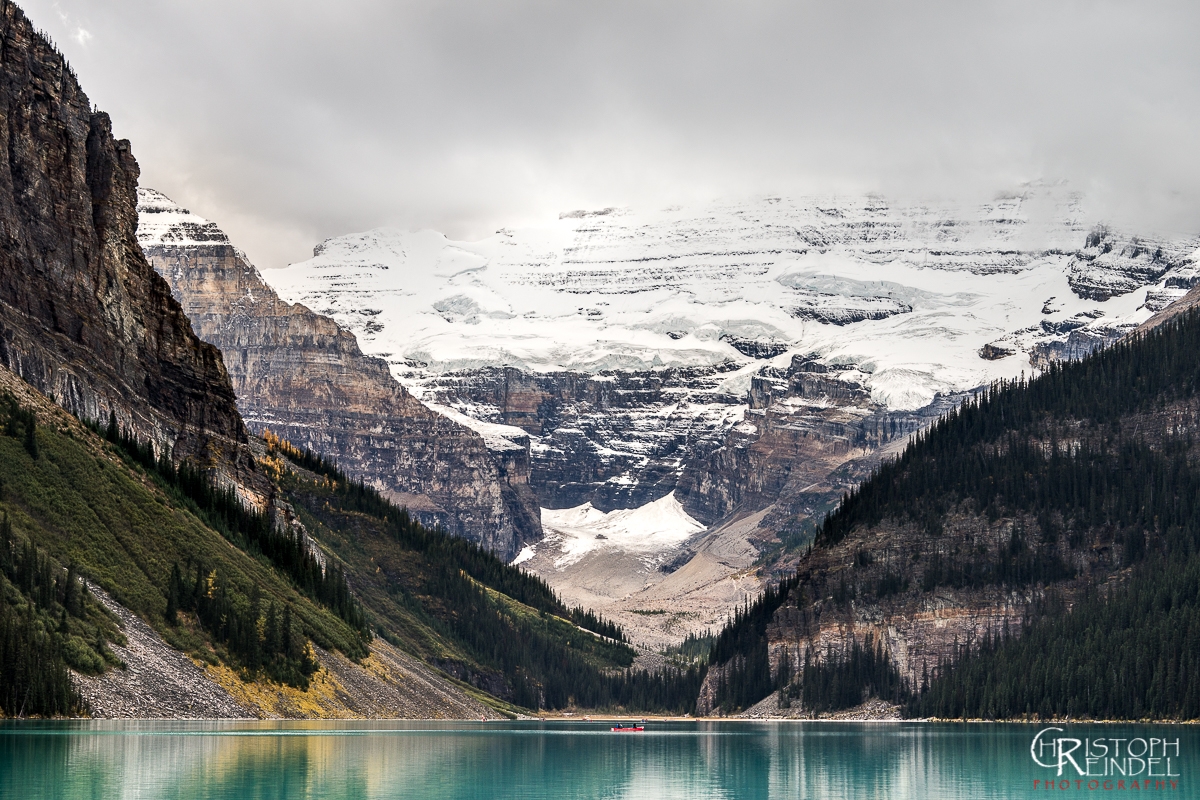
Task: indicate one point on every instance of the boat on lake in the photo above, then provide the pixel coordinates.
(629, 727)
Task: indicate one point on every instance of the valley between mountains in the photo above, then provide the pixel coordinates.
(777, 456)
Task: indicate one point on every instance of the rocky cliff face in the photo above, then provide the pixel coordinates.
(622, 439)
(617, 440)
(811, 433)
(83, 316)
(872, 584)
(303, 376)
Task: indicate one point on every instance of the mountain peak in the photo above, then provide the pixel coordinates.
(914, 291)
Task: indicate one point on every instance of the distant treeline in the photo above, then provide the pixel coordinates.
(1060, 448)
(546, 671)
(20, 423)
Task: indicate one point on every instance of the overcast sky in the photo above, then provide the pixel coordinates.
(289, 121)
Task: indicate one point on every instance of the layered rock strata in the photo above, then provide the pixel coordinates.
(83, 316)
(811, 432)
(304, 377)
(617, 439)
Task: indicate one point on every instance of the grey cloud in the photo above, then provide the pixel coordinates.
(288, 122)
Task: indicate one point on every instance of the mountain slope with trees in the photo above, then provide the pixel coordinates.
(149, 497)
(237, 587)
(1033, 553)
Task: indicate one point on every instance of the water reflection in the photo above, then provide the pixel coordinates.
(99, 760)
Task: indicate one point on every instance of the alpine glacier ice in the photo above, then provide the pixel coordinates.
(911, 294)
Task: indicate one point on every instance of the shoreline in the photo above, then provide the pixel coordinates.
(607, 718)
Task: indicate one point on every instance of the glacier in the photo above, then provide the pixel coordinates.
(910, 294)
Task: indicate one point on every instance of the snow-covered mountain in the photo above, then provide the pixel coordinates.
(740, 363)
(910, 294)
(302, 377)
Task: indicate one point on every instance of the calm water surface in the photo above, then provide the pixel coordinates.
(559, 760)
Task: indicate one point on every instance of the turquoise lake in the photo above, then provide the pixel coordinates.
(561, 760)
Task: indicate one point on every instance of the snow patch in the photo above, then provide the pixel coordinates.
(527, 552)
(497, 437)
(654, 529)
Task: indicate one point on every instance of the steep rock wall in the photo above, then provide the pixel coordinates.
(83, 316)
(304, 377)
(618, 439)
(811, 433)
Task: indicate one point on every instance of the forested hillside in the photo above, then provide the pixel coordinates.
(487, 623)
(1059, 518)
(247, 589)
(77, 507)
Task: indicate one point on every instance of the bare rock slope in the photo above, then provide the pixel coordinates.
(156, 681)
(83, 316)
(303, 376)
(160, 682)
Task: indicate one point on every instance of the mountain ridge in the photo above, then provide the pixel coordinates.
(85, 319)
(304, 377)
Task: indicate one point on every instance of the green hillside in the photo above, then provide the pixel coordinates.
(75, 505)
(226, 584)
(481, 620)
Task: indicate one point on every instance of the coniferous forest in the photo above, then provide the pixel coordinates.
(466, 593)
(1102, 455)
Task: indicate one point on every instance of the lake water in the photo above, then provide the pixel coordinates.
(566, 760)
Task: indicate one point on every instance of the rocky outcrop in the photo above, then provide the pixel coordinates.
(617, 439)
(811, 433)
(753, 347)
(1109, 265)
(1077, 345)
(83, 316)
(1189, 283)
(304, 377)
(757, 472)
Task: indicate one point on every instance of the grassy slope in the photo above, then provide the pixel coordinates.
(83, 504)
(81, 501)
